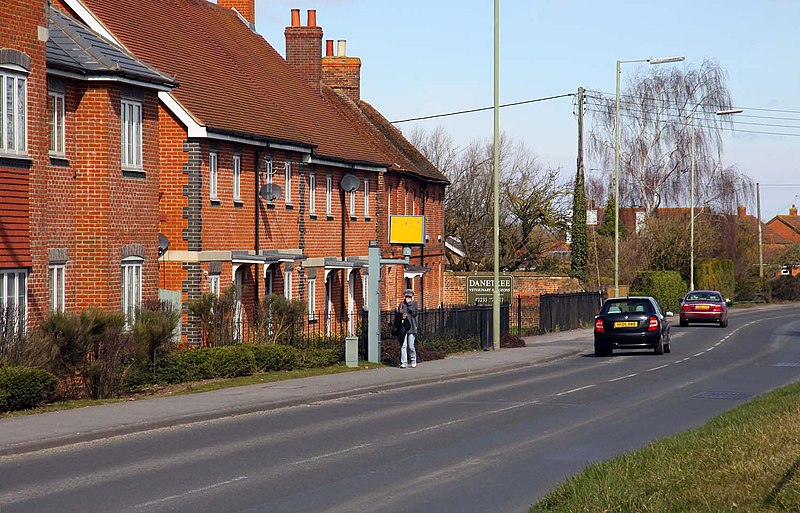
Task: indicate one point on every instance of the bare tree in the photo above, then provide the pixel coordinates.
(532, 200)
(655, 138)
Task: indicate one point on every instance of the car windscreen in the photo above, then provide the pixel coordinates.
(627, 306)
(703, 296)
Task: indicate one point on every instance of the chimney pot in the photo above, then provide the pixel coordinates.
(295, 17)
(793, 210)
(312, 17)
(742, 211)
(329, 48)
(341, 50)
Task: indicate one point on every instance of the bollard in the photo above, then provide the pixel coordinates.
(351, 351)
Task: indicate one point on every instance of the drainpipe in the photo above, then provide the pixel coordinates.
(422, 249)
(256, 239)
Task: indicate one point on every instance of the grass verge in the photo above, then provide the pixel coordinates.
(197, 387)
(744, 460)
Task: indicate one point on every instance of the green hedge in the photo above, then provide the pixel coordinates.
(229, 362)
(23, 387)
(716, 274)
(666, 287)
(785, 288)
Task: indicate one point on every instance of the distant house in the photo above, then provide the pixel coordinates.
(787, 229)
(253, 153)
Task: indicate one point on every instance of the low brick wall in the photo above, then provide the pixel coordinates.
(526, 284)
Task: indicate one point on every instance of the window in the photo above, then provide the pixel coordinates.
(352, 203)
(213, 284)
(14, 299)
(55, 106)
(287, 172)
(328, 194)
(366, 196)
(268, 281)
(312, 299)
(365, 290)
(270, 172)
(237, 178)
(287, 284)
(312, 193)
(213, 173)
(56, 279)
(13, 112)
(131, 286)
(131, 134)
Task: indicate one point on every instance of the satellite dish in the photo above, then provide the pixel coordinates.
(270, 192)
(350, 183)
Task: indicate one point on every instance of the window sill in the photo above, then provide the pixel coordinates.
(137, 174)
(59, 160)
(289, 206)
(237, 203)
(354, 218)
(329, 217)
(21, 159)
(215, 202)
(312, 216)
(271, 205)
(367, 218)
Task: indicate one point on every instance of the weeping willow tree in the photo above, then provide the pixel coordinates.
(656, 110)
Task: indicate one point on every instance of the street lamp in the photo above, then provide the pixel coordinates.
(658, 60)
(691, 193)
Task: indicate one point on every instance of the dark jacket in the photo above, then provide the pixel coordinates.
(412, 309)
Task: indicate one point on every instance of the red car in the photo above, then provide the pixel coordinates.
(704, 306)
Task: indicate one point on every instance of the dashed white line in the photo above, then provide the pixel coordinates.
(624, 377)
(190, 492)
(657, 368)
(699, 354)
(331, 454)
(574, 390)
(437, 426)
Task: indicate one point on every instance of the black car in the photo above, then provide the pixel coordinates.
(631, 323)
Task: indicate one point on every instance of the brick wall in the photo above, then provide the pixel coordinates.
(304, 53)
(247, 8)
(343, 74)
(526, 284)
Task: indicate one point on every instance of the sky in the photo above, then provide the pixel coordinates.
(430, 57)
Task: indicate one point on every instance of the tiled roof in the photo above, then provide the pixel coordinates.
(231, 79)
(791, 221)
(75, 48)
(405, 157)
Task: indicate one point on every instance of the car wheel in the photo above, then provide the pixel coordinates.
(668, 347)
(723, 324)
(659, 349)
(601, 350)
(684, 322)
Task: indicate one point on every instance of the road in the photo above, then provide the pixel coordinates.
(491, 443)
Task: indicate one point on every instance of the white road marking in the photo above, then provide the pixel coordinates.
(574, 390)
(437, 426)
(624, 377)
(331, 454)
(699, 354)
(190, 492)
(657, 368)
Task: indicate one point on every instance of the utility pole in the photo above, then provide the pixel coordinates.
(579, 243)
(760, 247)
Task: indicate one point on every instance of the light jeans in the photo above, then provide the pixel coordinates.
(408, 342)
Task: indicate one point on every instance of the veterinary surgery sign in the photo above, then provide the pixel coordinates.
(480, 289)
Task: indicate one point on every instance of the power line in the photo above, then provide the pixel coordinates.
(469, 111)
(612, 95)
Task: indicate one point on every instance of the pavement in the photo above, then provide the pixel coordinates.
(28, 433)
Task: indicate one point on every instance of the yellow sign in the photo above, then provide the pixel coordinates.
(407, 230)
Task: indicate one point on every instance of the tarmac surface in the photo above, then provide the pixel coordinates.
(23, 434)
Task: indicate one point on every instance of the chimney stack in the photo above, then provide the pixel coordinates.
(742, 211)
(793, 210)
(247, 8)
(304, 48)
(340, 72)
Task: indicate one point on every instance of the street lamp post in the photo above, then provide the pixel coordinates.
(691, 194)
(659, 60)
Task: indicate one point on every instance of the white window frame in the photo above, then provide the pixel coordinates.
(131, 134)
(270, 172)
(14, 292)
(287, 284)
(237, 178)
(352, 203)
(56, 276)
(213, 175)
(57, 117)
(329, 194)
(365, 291)
(312, 299)
(18, 143)
(287, 174)
(213, 284)
(267, 281)
(312, 193)
(366, 196)
(131, 287)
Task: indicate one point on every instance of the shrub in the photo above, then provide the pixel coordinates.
(231, 361)
(316, 358)
(276, 319)
(270, 358)
(508, 340)
(717, 274)
(785, 288)
(110, 352)
(154, 330)
(13, 339)
(217, 315)
(666, 287)
(23, 387)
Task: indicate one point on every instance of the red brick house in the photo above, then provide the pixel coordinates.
(787, 228)
(252, 149)
(81, 217)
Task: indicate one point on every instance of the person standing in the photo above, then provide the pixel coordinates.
(408, 311)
